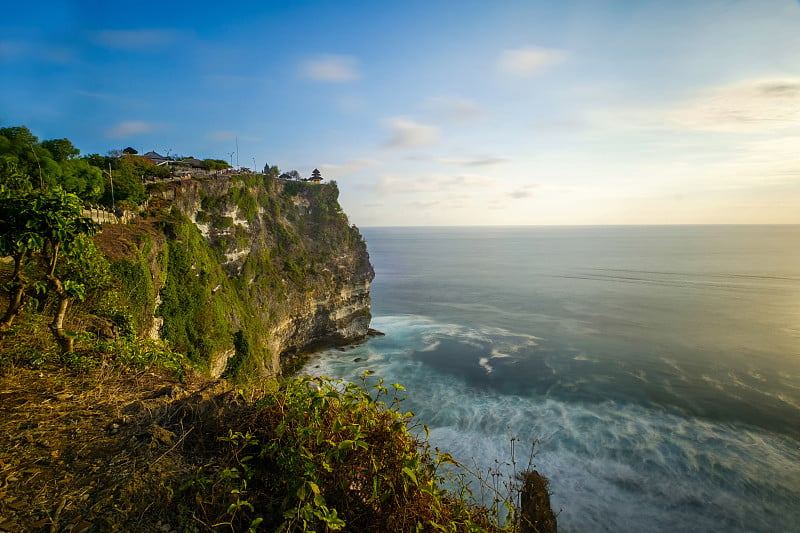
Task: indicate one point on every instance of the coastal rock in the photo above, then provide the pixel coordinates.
(290, 273)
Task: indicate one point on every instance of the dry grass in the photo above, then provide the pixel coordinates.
(90, 452)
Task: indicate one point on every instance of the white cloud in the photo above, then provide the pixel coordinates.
(142, 39)
(389, 185)
(349, 104)
(529, 60)
(405, 133)
(526, 191)
(130, 128)
(331, 68)
(348, 167)
(752, 105)
(760, 163)
(430, 183)
(455, 109)
(475, 162)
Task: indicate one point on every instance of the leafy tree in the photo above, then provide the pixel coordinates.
(21, 151)
(41, 230)
(60, 149)
(83, 179)
(127, 173)
(215, 164)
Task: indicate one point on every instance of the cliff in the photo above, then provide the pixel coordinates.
(242, 273)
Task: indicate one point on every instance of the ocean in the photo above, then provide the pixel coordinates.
(656, 367)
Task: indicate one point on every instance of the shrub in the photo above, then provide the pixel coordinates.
(329, 456)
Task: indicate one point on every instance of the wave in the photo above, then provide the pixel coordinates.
(613, 465)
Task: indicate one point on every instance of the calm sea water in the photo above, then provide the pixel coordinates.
(657, 367)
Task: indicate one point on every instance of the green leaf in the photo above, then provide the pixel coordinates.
(410, 473)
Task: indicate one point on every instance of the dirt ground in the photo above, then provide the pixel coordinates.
(101, 451)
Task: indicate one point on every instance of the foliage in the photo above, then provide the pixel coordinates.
(60, 149)
(136, 291)
(242, 353)
(26, 163)
(195, 319)
(319, 455)
(245, 201)
(141, 354)
(215, 164)
(37, 229)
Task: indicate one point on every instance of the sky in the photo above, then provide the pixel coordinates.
(439, 112)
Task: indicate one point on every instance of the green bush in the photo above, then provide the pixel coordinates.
(319, 455)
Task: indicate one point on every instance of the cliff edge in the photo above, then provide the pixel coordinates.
(244, 272)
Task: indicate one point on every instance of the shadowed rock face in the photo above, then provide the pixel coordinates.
(298, 275)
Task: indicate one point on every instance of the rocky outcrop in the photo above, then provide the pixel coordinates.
(278, 263)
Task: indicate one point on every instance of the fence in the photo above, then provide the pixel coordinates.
(104, 215)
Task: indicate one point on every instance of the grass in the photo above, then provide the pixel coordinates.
(138, 447)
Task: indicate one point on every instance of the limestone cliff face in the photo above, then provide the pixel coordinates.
(275, 266)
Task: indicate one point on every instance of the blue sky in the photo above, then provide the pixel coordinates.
(439, 112)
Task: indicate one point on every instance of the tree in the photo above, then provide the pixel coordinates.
(83, 179)
(21, 151)
(41, 230)
(215, 164)
(61, 149)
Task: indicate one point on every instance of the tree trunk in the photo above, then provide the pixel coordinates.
(17, 296)
(14, 305)
(57, 326)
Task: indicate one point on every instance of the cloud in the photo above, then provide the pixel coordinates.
(529, 60)
(526, 191)
(430, 183)
(46, 53)
(348, 167)
(454, 109)
(759, 163)
(135, 40)
(331, 68)
(349, 104)
(130, 128)
(405, 133)
(477, 162)
(753, 105)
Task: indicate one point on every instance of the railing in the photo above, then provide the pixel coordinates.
(104, 215)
